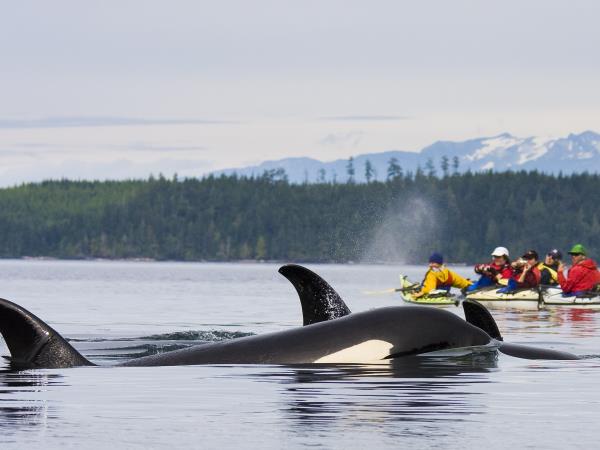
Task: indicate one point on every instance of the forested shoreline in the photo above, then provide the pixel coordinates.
(229, 218)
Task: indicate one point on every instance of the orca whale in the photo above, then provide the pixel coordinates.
(321, 302)
(331, 334)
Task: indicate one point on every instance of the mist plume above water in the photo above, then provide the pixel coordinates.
(404, 233)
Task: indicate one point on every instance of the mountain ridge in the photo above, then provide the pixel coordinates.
(571, 154)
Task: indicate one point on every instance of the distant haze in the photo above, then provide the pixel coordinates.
(112, 90)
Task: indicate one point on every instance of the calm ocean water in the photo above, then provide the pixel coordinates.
(113, 311)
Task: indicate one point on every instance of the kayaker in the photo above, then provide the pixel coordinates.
(526, 274)
(549, 268)
(498, 272)
(440, 277)
(583, 275)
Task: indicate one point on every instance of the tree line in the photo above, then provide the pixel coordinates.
(225, 218)
(447, 166)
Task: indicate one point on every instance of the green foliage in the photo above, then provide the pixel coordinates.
(455, 165)
(350, 170)
(369, 171)
(230, 218)
(445, 164)
(394, 169)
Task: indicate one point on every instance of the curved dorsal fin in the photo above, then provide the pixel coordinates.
(478, 315)
(33, 343)
(319, 300)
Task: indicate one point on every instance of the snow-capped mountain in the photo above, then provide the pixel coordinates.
(574, 153)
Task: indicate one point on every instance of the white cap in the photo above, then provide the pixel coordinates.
(500, 251)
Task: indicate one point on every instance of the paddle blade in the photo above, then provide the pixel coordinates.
(383, 292)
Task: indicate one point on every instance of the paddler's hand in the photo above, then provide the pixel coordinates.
(561, 267)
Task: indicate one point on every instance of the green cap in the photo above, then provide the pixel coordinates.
(577, 249)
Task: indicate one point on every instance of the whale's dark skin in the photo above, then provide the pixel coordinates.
(332, 335)
(33, 343)
(321, 302)
(411, 331)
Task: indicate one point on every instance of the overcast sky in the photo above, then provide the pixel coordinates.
(123, 88)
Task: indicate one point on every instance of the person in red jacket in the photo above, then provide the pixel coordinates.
(526, 274)
(583, 275)
(498, 272)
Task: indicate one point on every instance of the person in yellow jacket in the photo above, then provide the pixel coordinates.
(440, 277)
(549, 268)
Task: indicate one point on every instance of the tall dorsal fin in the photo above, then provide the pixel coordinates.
(319, 300)
(33, 343)
(478, 315)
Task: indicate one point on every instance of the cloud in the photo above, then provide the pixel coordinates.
(376, 118)
(79, 122)
(28, 150)
(144, 147)
(17, 153)
(352, 139)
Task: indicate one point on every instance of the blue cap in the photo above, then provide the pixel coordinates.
(436, 258)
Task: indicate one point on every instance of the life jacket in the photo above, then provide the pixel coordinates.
(447, 284)
(505, 270)
(537, 274)
(532, 278)
(551, 270)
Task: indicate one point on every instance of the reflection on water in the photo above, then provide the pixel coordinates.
(566, 322)
(578, 322)
(411, 389)
(408, 389)
(400, 368)
(20, 404)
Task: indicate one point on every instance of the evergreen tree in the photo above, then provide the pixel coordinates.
(350, 170)
(369, 171)
(455, 165)
(321, 176)
(265, 217)
(430, 168)
(445, 164)
(394, 170)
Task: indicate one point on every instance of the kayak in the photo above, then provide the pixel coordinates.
(532, 299)
(521, 299)
(438, 297)
(442, 299)
(524, 299)
(554, 297)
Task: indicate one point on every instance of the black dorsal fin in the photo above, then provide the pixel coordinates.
(319, 300)
(33, 343)
(478, 315)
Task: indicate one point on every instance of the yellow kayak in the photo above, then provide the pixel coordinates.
(434, 298)
(446, 300)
